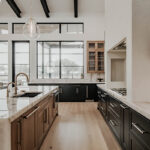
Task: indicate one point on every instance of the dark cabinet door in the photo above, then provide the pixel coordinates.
(136, 144)
(125, 126)
(72, 93)
(114, 123)
(78, 93)
(29, 128)
(66, 93)
(91, 92)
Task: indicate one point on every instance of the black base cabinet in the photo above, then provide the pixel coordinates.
(131, 129)
(77, 92)
(125, 126)
(72, 93)
(140, 131)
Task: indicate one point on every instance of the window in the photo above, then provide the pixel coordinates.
(48, 28)
(18, 28)
(48, 60)
(21, 59)
(3, 28)
(72, 28)
(60, 60)
(4, 62)
(71, 59)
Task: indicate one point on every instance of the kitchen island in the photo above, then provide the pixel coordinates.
(25, 121)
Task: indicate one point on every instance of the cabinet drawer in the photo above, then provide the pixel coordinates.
(140, 127)
(114, 106)
(114, 123)
(136, 144)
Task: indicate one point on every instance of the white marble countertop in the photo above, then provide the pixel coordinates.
(67, 82)
(141, 107)
(12, 108)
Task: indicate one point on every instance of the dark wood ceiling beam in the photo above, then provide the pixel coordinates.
(45, 8)
(76, 8)
(14, 7)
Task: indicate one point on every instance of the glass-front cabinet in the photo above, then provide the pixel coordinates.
(95, 56)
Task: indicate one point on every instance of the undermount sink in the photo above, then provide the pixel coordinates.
(28, 94)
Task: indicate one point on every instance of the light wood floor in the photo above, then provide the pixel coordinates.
(79, 126)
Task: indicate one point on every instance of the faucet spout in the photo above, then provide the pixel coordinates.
(21, 73)
(8, 87)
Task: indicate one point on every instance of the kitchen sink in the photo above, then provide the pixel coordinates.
(28, 94)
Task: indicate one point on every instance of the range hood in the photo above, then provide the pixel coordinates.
(119, 47)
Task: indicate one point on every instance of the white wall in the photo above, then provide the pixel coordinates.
(131, 19)
(118, 25)
(141, 50)
(93, 27)
(117, 13)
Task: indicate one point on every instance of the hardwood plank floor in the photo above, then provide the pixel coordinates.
(79, 126)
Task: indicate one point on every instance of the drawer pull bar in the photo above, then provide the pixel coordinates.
(26, 117)
(112, 123)
(138, 128)
(102, 108)
(122, 106)
(102, 95)
(112, 105)
(114, 112)
(105, 94)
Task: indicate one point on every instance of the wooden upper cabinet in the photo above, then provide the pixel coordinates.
(95, 56)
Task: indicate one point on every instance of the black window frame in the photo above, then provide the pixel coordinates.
(13, 57)
(59, 23)
(60, 73)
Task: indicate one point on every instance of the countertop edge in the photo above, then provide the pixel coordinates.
(26, 108)
(123, 99)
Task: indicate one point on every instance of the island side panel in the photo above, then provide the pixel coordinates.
(5, 134)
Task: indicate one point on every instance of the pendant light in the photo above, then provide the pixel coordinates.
(31, 29)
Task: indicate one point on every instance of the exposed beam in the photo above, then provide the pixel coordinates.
(45, 8)
(14, 7)
(76, 8)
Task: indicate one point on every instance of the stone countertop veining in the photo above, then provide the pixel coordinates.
(141, 107)
(12, 108)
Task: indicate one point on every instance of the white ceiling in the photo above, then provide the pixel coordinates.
(58, 7)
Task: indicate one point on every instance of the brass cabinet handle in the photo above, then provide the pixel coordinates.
(138, 128)
(124, 107)
(29, 115)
